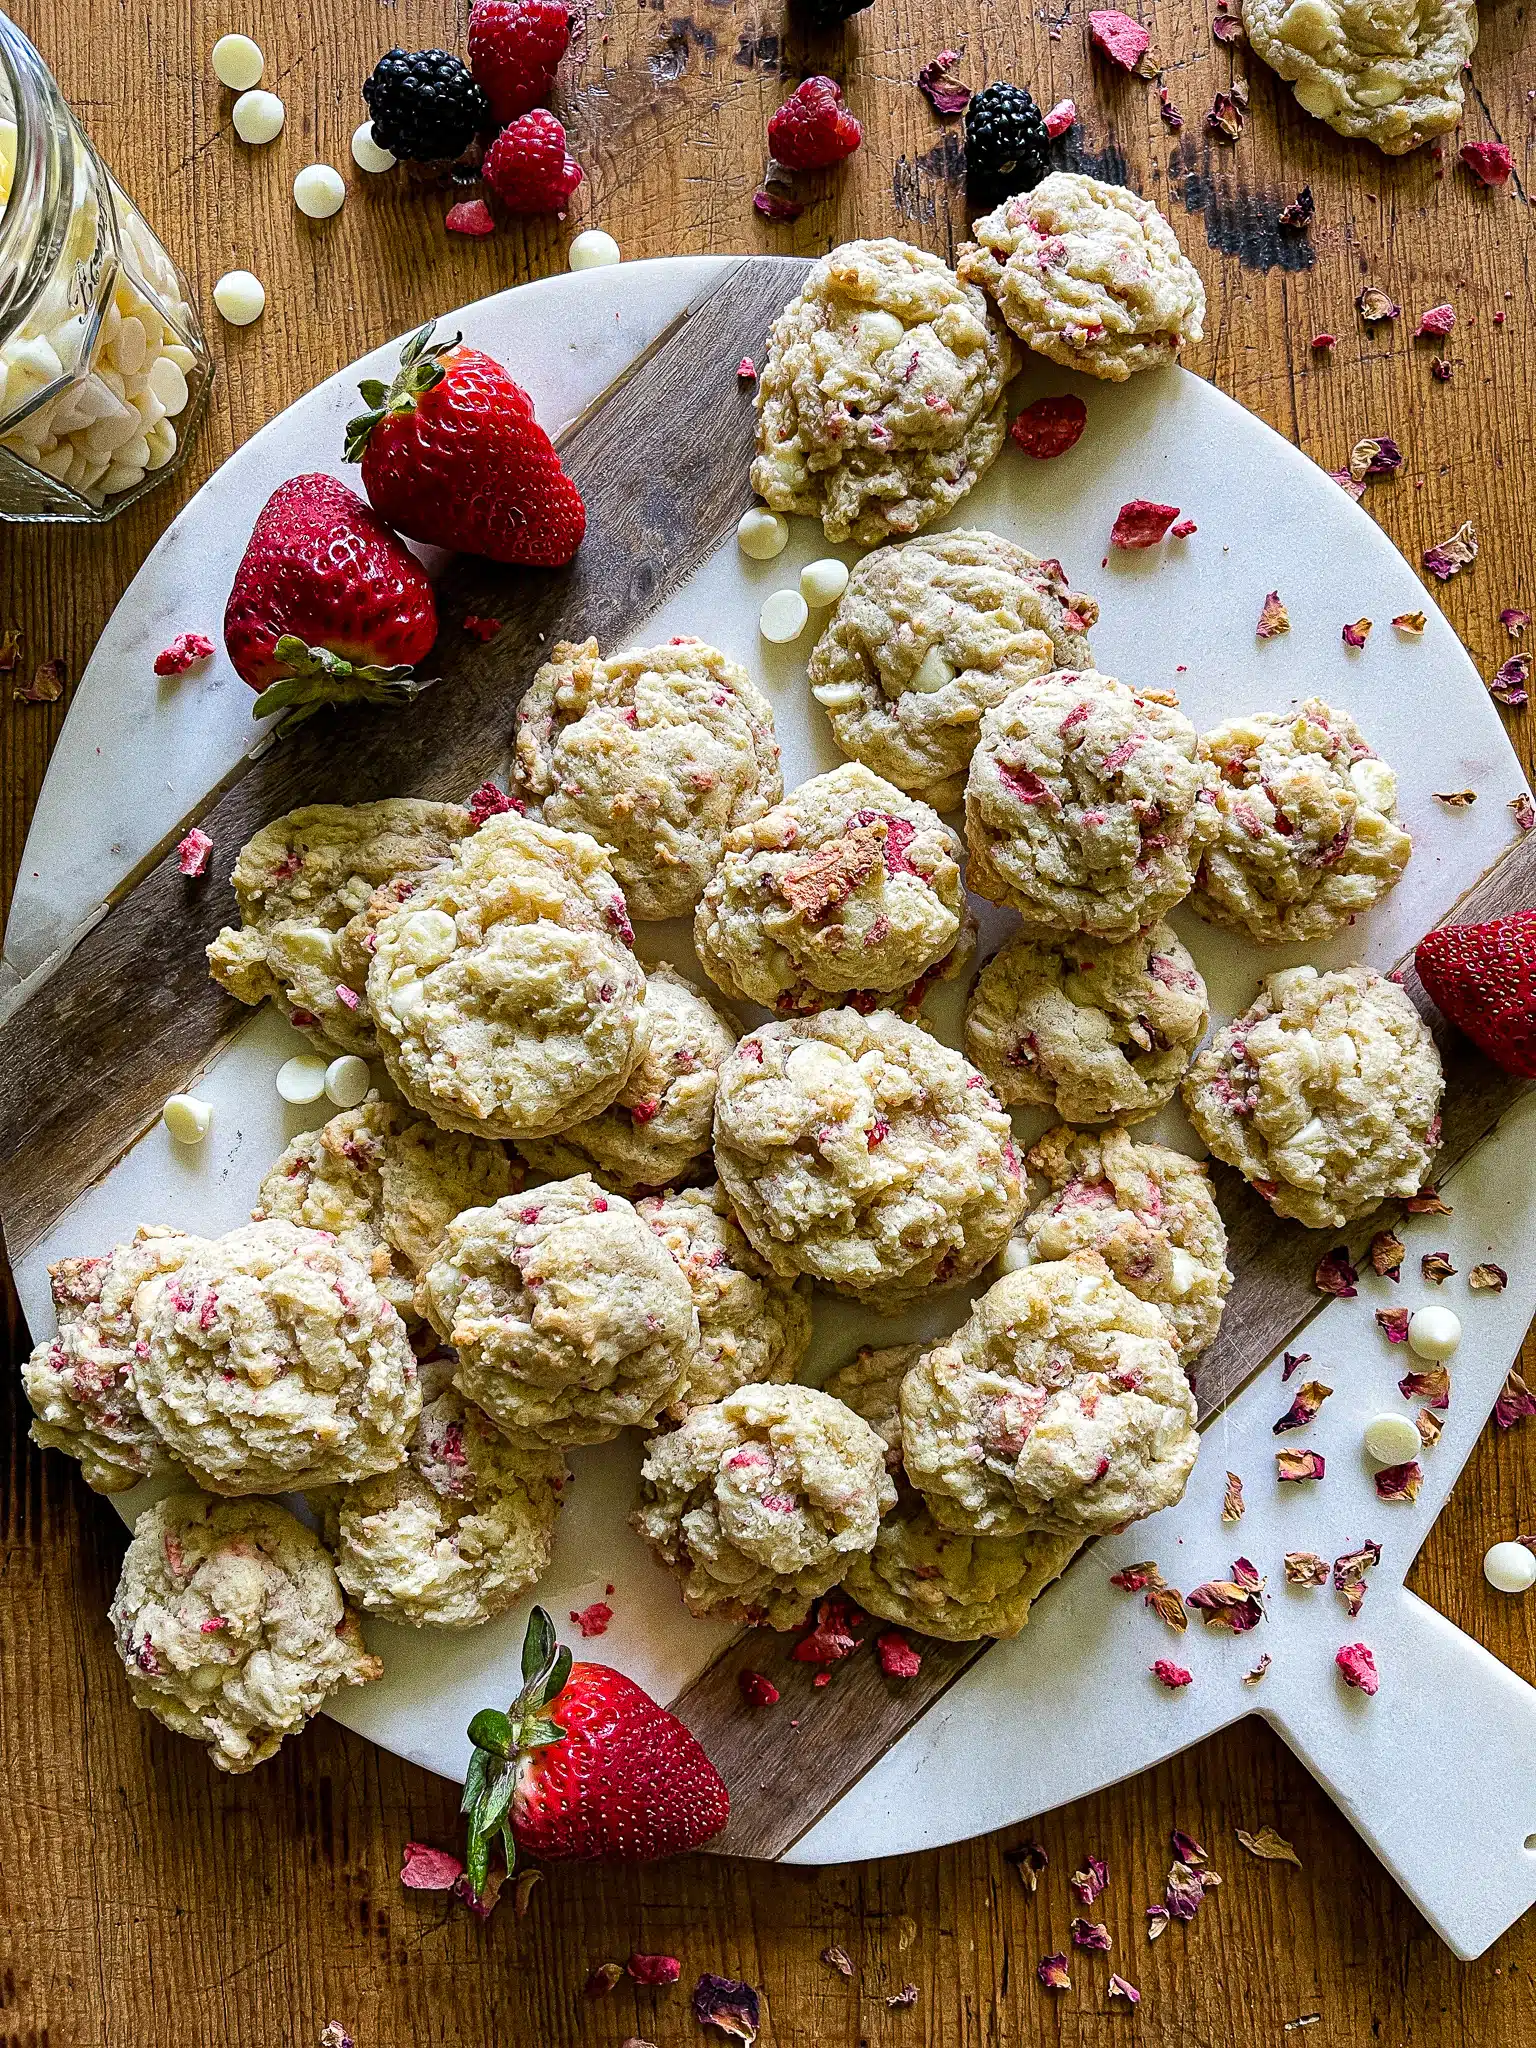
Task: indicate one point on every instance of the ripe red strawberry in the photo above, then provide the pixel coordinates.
(585, 1764)
(452, 454)
(813, 129)
(528, 166)
(1483, 977)
(514, 49)
(328, 607)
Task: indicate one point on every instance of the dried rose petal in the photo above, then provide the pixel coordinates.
(724, 2003)
(1186, 1849)
(593, 1620)
(1090, 1934)
(1300, 213)
(1167, 1603)
(1121, 1987)
(1411, 623)
(897, 1657)
(1226, 28)
(1439, 320)
(1514, 621)
(1310, 1396)
(1387, 1254)
(193, 851)
(1291, 1361)
(775, 207)
(523, 1889)
(1393, 1324)
(654, 1969)
(1050, 426)
(1274, 619)
(46, 686)
(1116, 36)
(1305, 1568)
(1441, 369)
(757, 1690)
(1141, 523)
(1168, 113)
(1060, 118)
(1029, 1860)
(1431, 1383)
(1357, 633)
(1400, 1482)
(1252, 1677)
(1236, 1603)
(1489, 162)
(944, 96)
(601, 1980)
(1184, 1891)
(183, 651)
(425, 1869)
(1268, 1846)
(334, 2035)
(1511, 681)
(838, 1959)
(1376, 455)
(1447, 558)
(1374, 306)
(1296, 1465)
(1052, 1972)
(1225, 117)
(1232, 1499)
(1525, 812)
(1135, 1577)
(1350, 486)
(1358, 1667)
(1157, 1921)
(1515, 1403)
(1349, 1573)
(1456, 799)
(1087, 1884)
(469, 217)
(1170, 1674)
(902, 2000)
(1488, 1279)
(1334, 1274)
(1437, 1268)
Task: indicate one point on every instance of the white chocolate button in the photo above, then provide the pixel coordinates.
(1375, 782)
(318, 191)
(347, 1081)
(366, 153)
(836, 696)
(427, 937)
(783, 617)
(1510, 1568)
(1015, 1256)
(592, 250)
(259, 117)
(934, 672)
(187, 1119)
(301, 1080)
(238, 62)
(1392, 1440)
(879, 330)
(823, 583)
(812, 1065)
(762, 534)
(168, 380)
(241, 297)
(1434, 1332)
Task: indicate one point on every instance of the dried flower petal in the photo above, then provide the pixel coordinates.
(193, 851)
(1334, 1274)
(897, 1657)
(334, 2035)
(1052, 1972)
(1400, 1482)
(1060, 118)
(1393, 1323)
(183, 651)
(1157, 1922)
(1273, 618)
(1489, 162)
(1236, 1603)
(1488, 1279)
(1310, 1396)
(1050, 426)
(1186, 1849)
(1514, 621)
(10, 650)
(1348, 484)
(1411, 623)
(1456, 799)
(1168, 113)
(1358, 1667)
(838, 1959)
(1294, 1465)
(724, 2003)
(902, 2000)
(1291, 1361)
(654, 1969)
(1437, 1268)
(523, 1889)
(1376, 455)
(1133, 1578)
(1268, 1846)
(1252, 1677)
(1357, 633)
(945, 96)
(757, 1690)
(602, 1980)
(1090, 1934)
(1140, 523)
(1089, 1882)
(776, 207)
(1447, 558)
(1167, 1603)
(1349, 1573)
(1431, 1384)
(1225, 117)
(46, 686)
(1119, 38)
(1170, 1674)
(1525, 812)
(1441, 369)
(1387, 1254)
(1515, 1403)
(1429, 1426)
(1184, 1892)
(1374, 306)
(1232, 1499)
(1029, 1860)
(1511, 681)
(1226, 28)
(1438, 321)
(1305, 1568)
(425, 1869)
(1121, 1987)
(1299, 215)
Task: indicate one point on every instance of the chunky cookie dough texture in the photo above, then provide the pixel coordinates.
(929, 635)
(759, 1501)
(1325, 1095)
(571, 1320)
(1085, 809)
(658, 1127)
(1094, 1030)
(1147, 1210)
(1088, 274)
(754, 1325)
(657, 753)
(1382, 71)
(848, 887)
(1308, 835)
(507, 999)
(863, 1153)
(272, 1361)
(882, 400)
(1061, 1405)
(386, 1183)
(82, 1384)
(231, 1625)
(301, 882)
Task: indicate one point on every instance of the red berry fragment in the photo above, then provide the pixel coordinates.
(1489, 162)
(1483, 978)
(1117, 37)
(1437, 321)
(593, 1620)
(193, 851)
(1141, 524)
(186, 648)
(654, 1969)
(424, 1869)
(1050, 426)
(1060, 118)
(813, 129)
(757, 1690)
(1358, 1667)
(1174, 1676)
(469, 217)
(897, 1657)
(528, 166)
(480, 629)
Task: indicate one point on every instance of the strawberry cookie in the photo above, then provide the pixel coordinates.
(299, 883)
(1307, 835)
(1086, 809)
(1087, 274)
(882, 400)
(759, 1501)
(929, 635)
(863, 1153)
(570, 1320)
(272, 1361)
(658, 1127)
(848, 890)
(658, 753)
(506, 996)
(231, 1625)
(1061, 1405)
(1383, 71)
(1325, 1095)
(1091, 1029)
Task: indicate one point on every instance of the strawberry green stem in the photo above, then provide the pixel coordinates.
(316, 677)
(421, 366)
(503, 1741)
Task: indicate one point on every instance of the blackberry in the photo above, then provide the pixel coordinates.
(425, 105)
(1005, 144)
(829, 15)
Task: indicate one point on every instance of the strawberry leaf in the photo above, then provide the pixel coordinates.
(538, 1645)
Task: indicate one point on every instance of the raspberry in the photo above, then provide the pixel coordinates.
(528, 167)
(514, 48)
(813, 129)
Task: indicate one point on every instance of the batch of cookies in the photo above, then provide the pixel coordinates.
(591, 1200)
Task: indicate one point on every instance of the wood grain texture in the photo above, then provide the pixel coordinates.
(143, 1899)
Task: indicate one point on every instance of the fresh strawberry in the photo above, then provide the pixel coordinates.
(813, 129)
(585, 1764)
(452, 454)
(328, 607)
(528, 166)
(1483, 977)
(514, 49)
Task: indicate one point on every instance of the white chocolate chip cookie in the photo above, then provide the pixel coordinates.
(1382, 71)
(1088, 274)
(272, 1361)
(231, 1625)
(657, 753)
(862, 1152)
(1085, 808)
(754, 1326)
(929, 635)
(759, 1501)
(1095, 1031)
(882, 400)
(570, 1319)
(1060, 1405)
(846, 889)
(658, 1127)
(1147, 1210)
(385, 1183)
(1308, 834)
(299, 883)
(1325, 1095)
(507, 1000)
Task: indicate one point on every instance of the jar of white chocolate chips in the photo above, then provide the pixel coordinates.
(103, 365)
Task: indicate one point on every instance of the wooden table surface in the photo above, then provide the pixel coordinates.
(147, 1902)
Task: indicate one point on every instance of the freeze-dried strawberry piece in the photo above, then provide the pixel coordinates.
(1439, 320)
(1358, 1667)
(489, 802)
(757, 1690)
(185, 649)
(1141, 523)
(593, 1620)
(1119, 38)
(469, 217)
(1489, 162)
(193, 851)
(653, 1969)
(1060, 118)
(897, 1657)
(481, 629)
(1174, 1676)
(1050, 426)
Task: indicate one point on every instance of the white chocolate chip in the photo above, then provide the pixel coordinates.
(823, 583)
(1434, 1332)
(347, 1080)
(783, 617)
(427, 937)
(1391, 1440)
(301, 1080)
(240, 296)
(836, 696)
(187, 1118)
(168, 380)
(879, 330)
(238, 62)
(1375, 784)
(1510, 1568)
(762, 534)
(933, 673)
(592, 250)
(318, 191)
(813, 1065)
(366, 153)
(259, 117)
(1015, 1256)
(1185, 1271)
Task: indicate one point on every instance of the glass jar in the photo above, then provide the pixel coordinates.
(103, 366)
